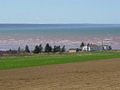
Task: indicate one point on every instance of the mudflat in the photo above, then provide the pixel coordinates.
(92, 75)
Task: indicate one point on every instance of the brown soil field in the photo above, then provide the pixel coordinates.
(92, 75)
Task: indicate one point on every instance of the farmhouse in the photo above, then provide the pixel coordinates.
(94, 47)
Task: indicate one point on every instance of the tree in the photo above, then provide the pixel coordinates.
(10, 50)
(48, 48)
(56, 49)
(110, 48)
(63, 49)
(37, 49)
(19, 49)
(27, 49)
(40, 48)
(82, 45)
(77, 49)
(88, 44)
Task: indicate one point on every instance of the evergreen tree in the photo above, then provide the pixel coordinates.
(50, 48)
(27, 49)
(77, 50)
(110, 48)
(37, 49)
(47, 47)
(82, 45)
(88, 44)
(19, 49)
(56, 49)
(63, 49)
(40, 48)
(10, 50)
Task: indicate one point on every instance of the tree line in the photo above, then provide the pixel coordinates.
(47, 49)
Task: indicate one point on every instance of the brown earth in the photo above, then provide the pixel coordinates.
(93, 75)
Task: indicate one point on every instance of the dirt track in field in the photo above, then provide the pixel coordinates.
(93, 75)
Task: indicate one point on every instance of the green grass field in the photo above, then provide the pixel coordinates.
(41, 60)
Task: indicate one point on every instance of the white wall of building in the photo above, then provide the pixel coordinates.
(95, 48)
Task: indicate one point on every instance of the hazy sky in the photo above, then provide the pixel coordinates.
(60, 11)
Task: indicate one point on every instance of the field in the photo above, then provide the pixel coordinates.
(82, 71)
(49, 59)
(92, 75)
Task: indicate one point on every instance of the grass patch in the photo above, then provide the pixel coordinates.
(41, 60)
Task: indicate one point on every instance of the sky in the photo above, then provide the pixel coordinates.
(60, 11)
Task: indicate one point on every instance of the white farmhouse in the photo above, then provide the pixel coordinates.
(90, 47)
(94, 47)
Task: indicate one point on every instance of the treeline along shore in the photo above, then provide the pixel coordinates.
(37, 50)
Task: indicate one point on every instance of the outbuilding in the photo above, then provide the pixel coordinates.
(73, 50)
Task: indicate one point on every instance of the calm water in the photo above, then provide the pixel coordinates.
(13, 36)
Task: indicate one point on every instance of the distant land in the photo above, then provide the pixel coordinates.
(25, 25)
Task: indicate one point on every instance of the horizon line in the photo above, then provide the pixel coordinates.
(61, 23)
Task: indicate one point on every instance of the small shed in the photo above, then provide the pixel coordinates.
(73, 50)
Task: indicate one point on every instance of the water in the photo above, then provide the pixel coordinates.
(71, 35)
